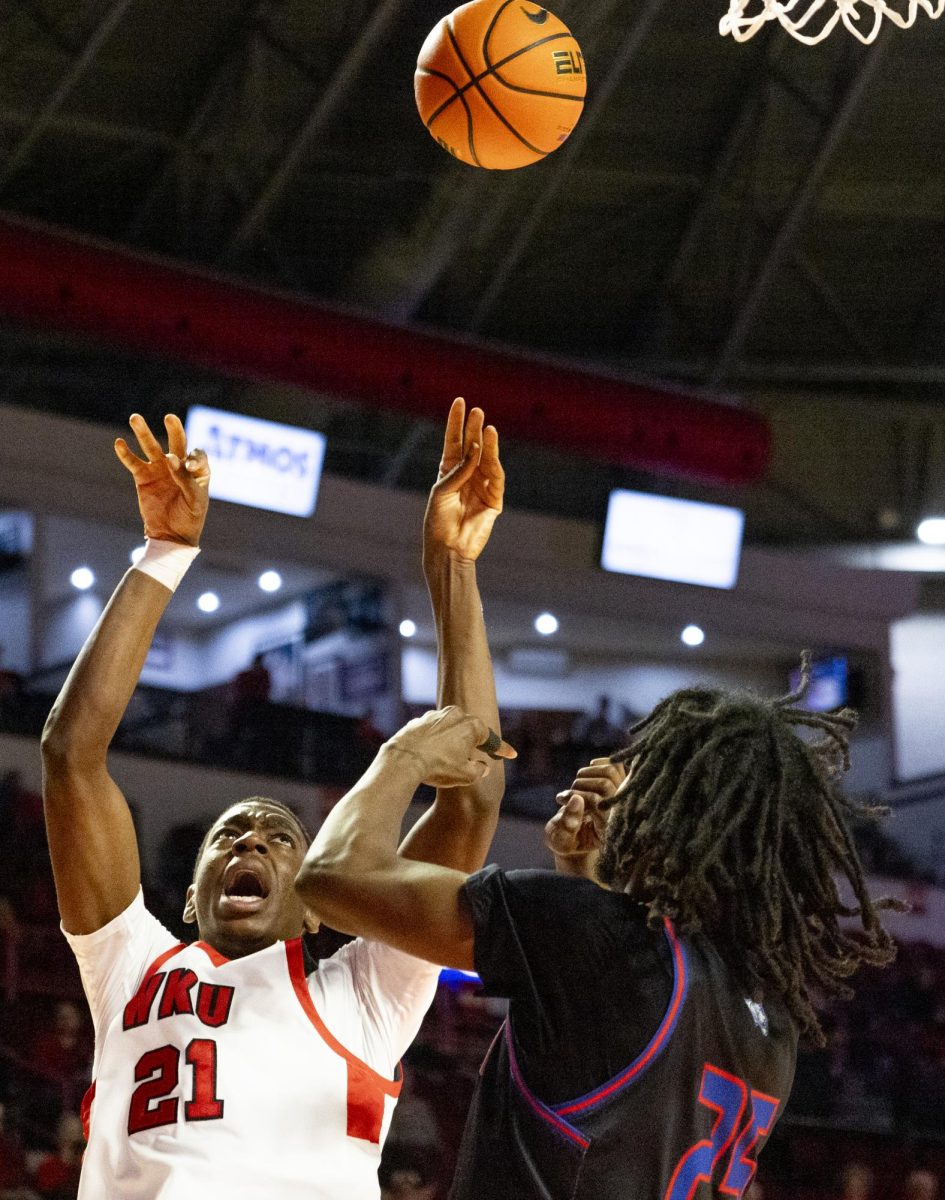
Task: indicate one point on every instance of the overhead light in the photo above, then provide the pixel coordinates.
(931, 531)
(208, 602)
(546, 624)
(82, 578)
(407, 628)
(137, 554)
(692, 635)
(270, 581)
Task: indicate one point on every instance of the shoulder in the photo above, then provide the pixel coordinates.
(113, 960)
(135, 932)
(375, 973)
(373, 998)
(535, 895)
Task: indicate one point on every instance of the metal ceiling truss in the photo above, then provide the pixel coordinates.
(781, 243)
(73, 76)
(314, 126)
(565, 158)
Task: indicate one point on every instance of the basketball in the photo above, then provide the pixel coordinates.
(500, 83)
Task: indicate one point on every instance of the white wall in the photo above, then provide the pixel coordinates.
(15, 621)
(917, 652)
(193, 663)
(639, 686)
(64, 625)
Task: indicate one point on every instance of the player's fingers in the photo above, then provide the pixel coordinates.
(589, 798)
(562, 831)
(176, 438)
(197, 466)
(491, 466)
(149, 444)
(127, 456)
(490, 742)
(601, 786)
(453, 436)
(454, 479)
(472, 434)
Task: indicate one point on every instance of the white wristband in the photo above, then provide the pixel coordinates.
(167, 562)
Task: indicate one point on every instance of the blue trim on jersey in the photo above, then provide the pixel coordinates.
(563, 1128)
(656, 1045)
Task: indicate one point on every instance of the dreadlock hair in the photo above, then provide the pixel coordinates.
(731, 824)
(277, 805)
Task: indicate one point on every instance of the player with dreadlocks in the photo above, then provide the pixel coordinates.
(731, 825)
(659, 981)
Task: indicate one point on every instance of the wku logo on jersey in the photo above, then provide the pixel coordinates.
(210, 1002)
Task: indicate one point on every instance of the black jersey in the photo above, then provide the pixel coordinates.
(684, 1119)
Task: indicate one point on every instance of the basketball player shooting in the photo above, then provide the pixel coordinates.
(659, 981)
(233, 1067)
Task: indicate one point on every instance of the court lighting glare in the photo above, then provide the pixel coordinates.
(692, 635)
(137, 554)
(82, 578)
(546, 624)
(270, 581)
(407, 628)
(208, 602)
(931, 531)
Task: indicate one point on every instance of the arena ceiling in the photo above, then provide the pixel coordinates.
(765, 221)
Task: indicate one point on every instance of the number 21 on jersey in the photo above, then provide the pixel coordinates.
(727, 1152)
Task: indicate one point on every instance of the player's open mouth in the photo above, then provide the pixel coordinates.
(244, 892)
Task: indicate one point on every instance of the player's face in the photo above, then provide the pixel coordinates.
(243, 896)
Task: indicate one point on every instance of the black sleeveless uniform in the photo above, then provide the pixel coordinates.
(593, 1091)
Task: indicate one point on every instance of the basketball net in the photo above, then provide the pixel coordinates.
(811, 21)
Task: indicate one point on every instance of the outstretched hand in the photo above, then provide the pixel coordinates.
(467, 495)
(173, 488)
(449, 748)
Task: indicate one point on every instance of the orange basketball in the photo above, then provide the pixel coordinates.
(500, 83)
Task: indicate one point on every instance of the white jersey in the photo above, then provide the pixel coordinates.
(241, 1079)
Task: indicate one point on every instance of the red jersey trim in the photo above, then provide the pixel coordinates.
(218, 959)
(162, 959)
(85, 1111)
(296, 963)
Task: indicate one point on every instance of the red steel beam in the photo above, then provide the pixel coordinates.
(60, 281)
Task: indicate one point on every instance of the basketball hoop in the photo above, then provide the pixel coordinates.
(810, 21)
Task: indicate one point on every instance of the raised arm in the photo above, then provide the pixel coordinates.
(92, 840)
(465, 500)
(353, 876)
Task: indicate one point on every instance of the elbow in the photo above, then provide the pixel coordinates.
(332, 879)
(321, 886)
(55, 743)
(64, 747)
(319, 878)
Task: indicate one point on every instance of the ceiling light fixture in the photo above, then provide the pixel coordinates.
(931, 531)
(82, 578)
(270, 581)
(546, 624)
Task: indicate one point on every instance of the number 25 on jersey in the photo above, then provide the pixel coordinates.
(726, 1155)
